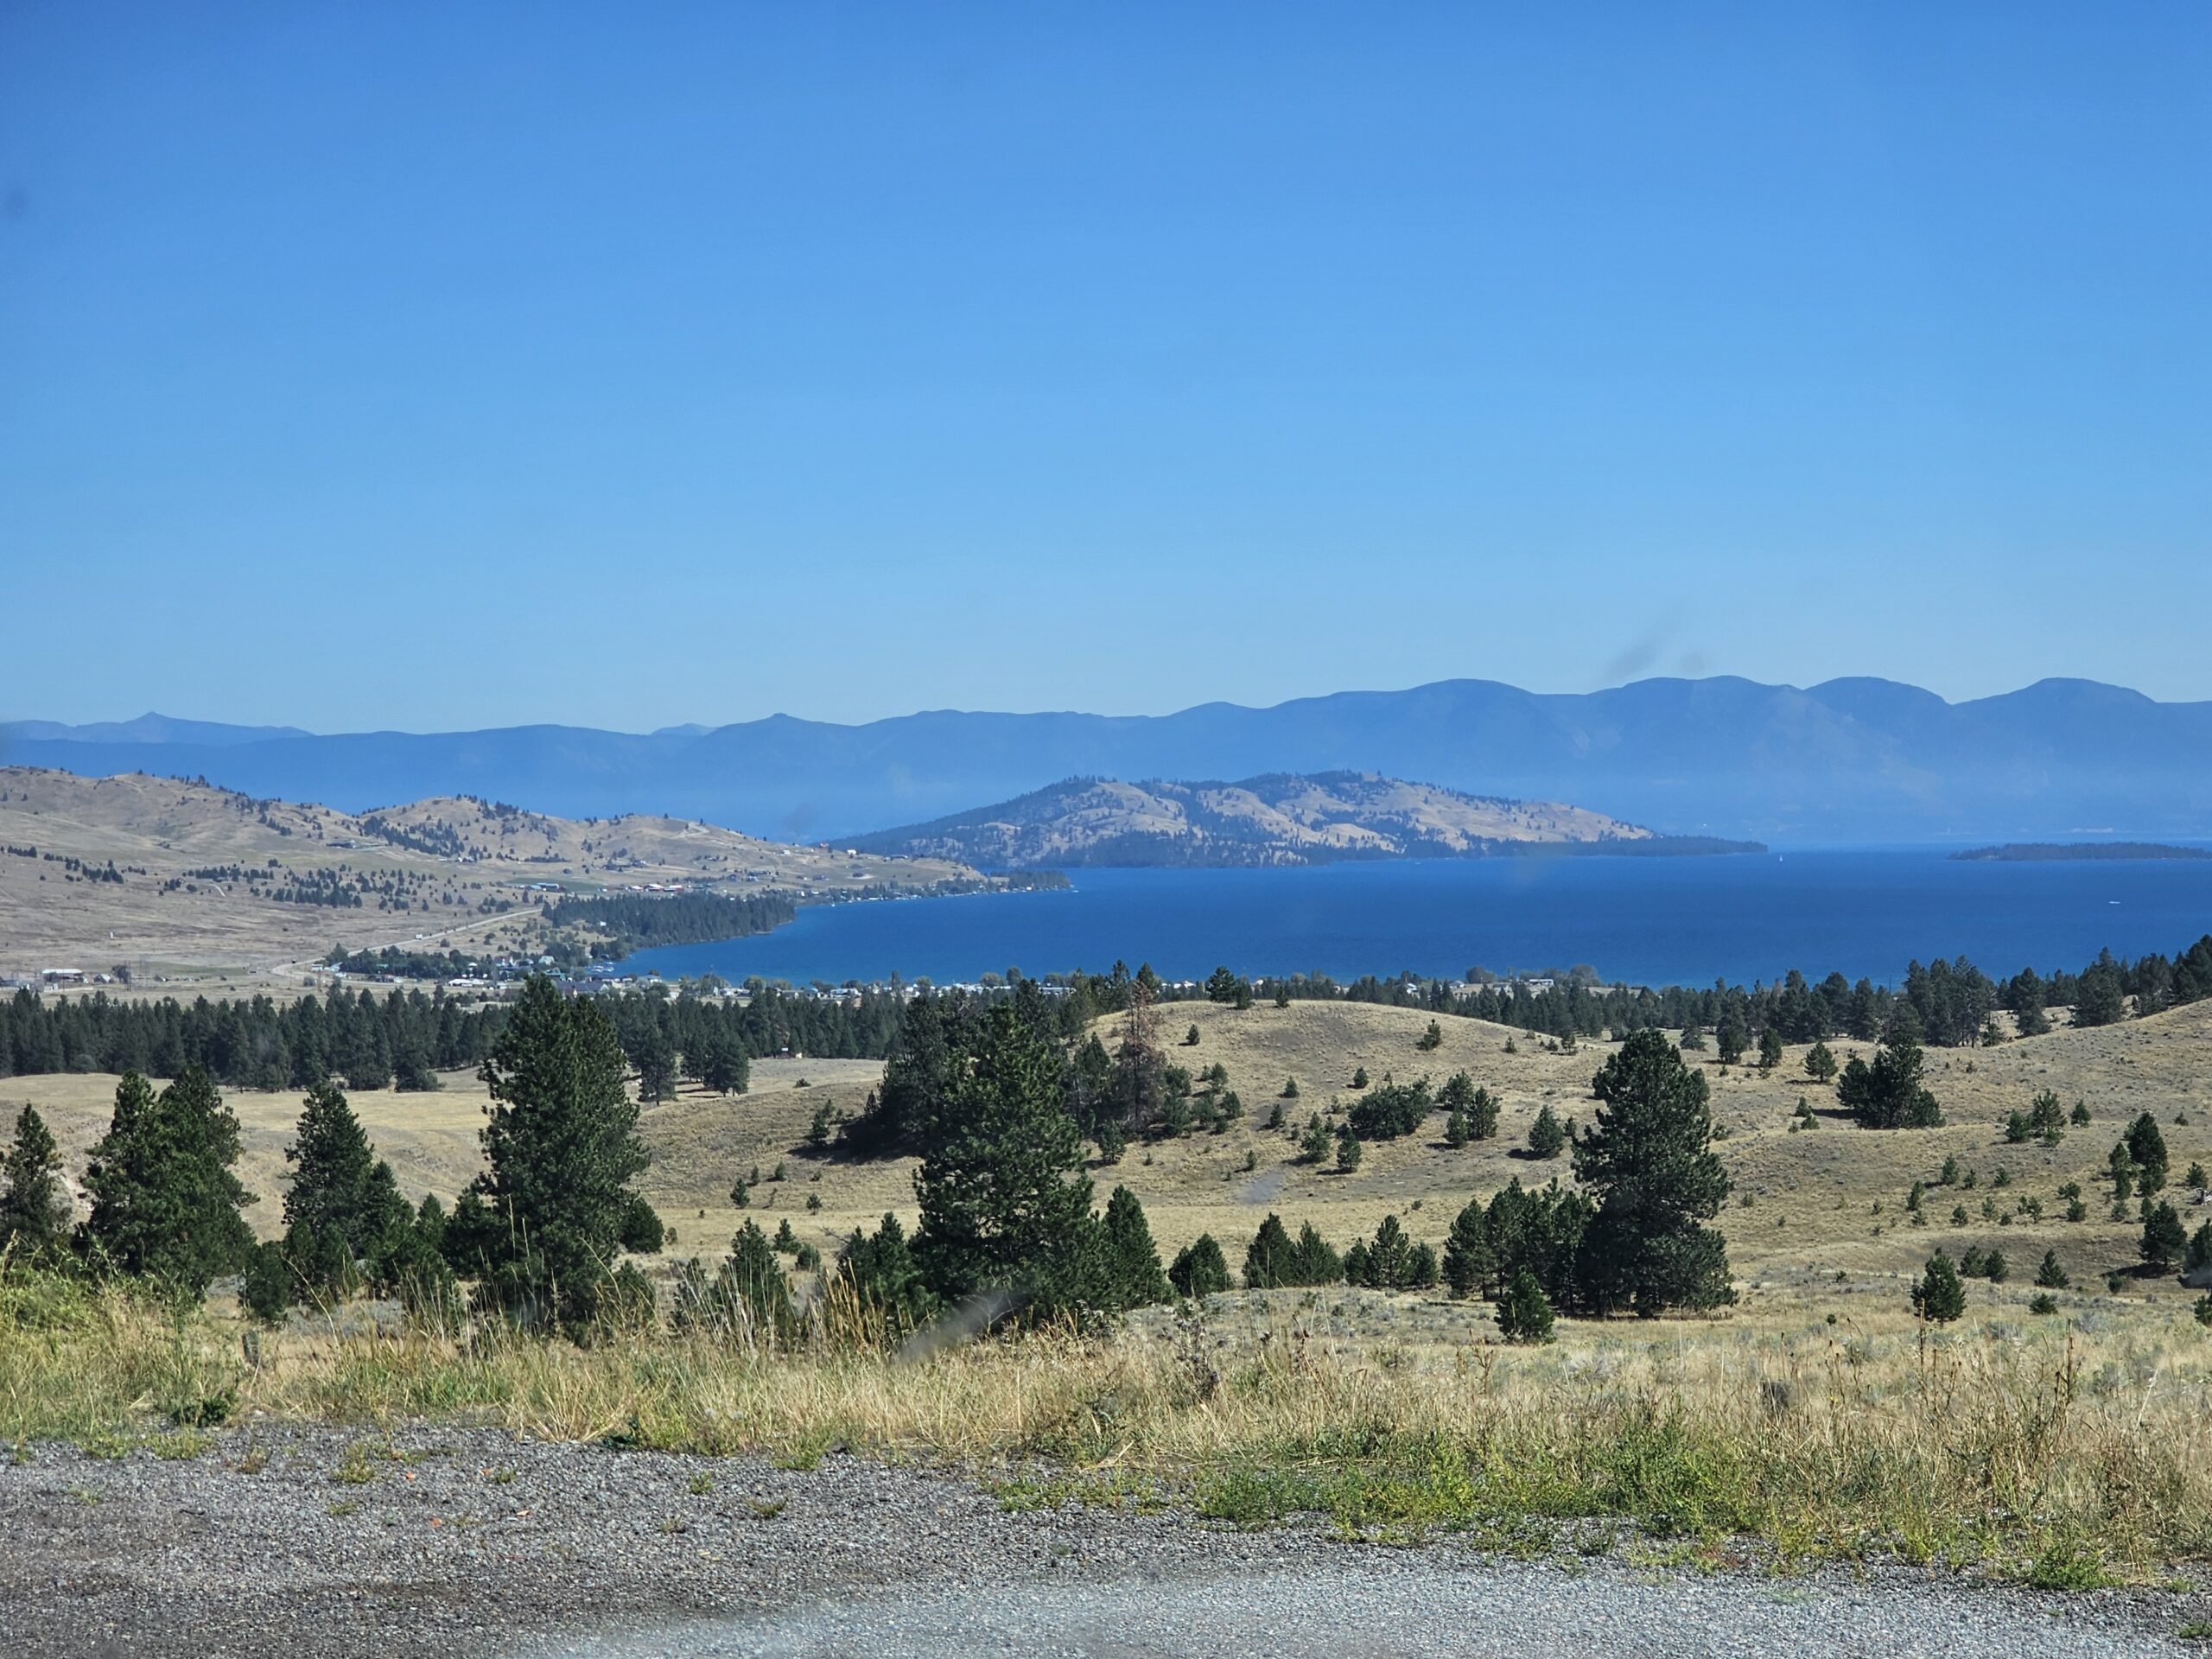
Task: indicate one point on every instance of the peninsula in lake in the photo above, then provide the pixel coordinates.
(1280, 818)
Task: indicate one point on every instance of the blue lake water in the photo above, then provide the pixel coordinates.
(1645, 920)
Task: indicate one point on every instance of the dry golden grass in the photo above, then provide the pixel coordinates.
(2063, 1456)
(1814, 1413)
(1811, 1196)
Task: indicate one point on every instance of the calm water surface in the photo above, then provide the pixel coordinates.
(1649, 921)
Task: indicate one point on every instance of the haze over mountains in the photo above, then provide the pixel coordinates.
(1851, 759)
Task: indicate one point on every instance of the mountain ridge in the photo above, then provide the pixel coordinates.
(1852, 758)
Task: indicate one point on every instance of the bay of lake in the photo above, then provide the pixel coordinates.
(1650, 921)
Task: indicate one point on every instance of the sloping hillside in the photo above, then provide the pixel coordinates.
(159, 872)
(1280, 818)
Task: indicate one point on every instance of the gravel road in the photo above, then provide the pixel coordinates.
(312, 1542)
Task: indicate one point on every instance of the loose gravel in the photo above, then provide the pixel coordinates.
(314, 1542)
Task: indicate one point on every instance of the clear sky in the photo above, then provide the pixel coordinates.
(441, 366)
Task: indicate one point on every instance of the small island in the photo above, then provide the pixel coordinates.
(2051, 852)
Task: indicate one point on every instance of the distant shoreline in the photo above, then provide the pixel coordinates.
(2055, 852)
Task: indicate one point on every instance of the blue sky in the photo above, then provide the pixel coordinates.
(434, 367)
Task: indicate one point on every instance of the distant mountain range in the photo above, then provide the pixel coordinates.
(1282, 818)
(1849, 760)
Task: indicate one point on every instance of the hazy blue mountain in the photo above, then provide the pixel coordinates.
(1855, 760)
(147, 728)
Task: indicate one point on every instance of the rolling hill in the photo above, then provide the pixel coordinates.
(1280, 818)
(155, 872)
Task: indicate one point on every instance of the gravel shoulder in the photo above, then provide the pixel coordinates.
(312, 1542)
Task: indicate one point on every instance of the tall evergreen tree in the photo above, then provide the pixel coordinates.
(35, 1209)
(1133, 1260)
(1004, 1203)
(1649, 1164)
(1469, 1262)
(343, 1205)
(165, 1203)
(563, 1147)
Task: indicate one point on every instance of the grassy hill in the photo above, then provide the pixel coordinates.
(1278, 819)
(166, 875)
(1804, 1231)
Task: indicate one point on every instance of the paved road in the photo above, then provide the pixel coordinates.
(1417, 1606)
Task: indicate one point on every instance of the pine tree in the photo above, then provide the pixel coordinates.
(1888, 1094)
(2146, 1150)
(1941, 1296)
(561, 1147)
(1469, 1262)
(749, 1294)
(2164, 1239)
(1389, 1257)
(1003, 1201)
(1269, 1259)
(1133, 1261)
(165, 1203)
(1820, 1063)
(1422, 1273)
(1769, 1050)
(1348, 1153)
(1524, 1314)
(2050, 1275)
(1456, 1133)
(883, 1273)
(1547, 1137)
(1649, 1164)
(343, 1205)
(35, 1210)
(1200, 1270)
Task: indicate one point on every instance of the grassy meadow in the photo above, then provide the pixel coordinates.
(1814, 1414)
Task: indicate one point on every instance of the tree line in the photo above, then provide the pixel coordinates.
(623, 922)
